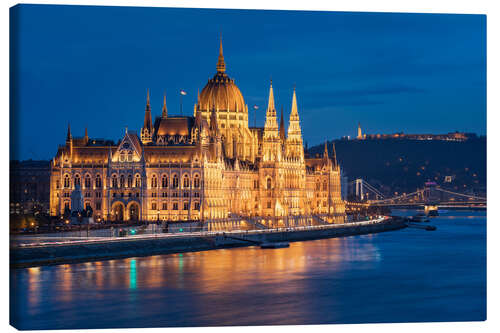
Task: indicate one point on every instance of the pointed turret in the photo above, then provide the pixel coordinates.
(198, 117)
(147, 129)
(221, 64)
(325, 152)
(282, 127)
(164, 112)
(271, 148)
(334, 155)
(69, 142)
(68, 136)
(294, 130)
(294, 135)
(86, 137)
(271, 126)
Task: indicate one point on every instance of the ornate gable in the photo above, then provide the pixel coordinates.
(129, 149)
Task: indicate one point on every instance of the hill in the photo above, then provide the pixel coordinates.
(399, 165)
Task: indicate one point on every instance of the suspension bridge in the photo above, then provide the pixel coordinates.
(430, 196)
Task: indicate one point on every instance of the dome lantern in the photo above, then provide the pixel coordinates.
(220, 91)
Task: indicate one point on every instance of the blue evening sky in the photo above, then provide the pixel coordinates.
(91, 66)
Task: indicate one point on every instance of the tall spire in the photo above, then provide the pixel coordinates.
(270, 102)
(294, 147)
(164, 112)
(147, 101)
(295, 111)
(221, 65)
(147, 129)
(325, 153)
(271, 126)
(68, 136)
(334, 154)
(282, 127)
(294, 131)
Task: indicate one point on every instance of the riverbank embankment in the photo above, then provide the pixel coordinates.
(103, 248)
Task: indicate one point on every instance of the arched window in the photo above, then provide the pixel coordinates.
(154, 182)
(269, 184)
(325, 185)
(318, 185)
(67, 181)
(77, 180)
(122, 181)
(137, 181)
(87, 181)
(114, 181)
(175, 181)
(185, 181)
(196, 181)
(129, 156)
(98, 181)
(129, 181)
(164, 181)
(122, 156)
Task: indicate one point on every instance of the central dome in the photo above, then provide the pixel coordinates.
(221, 92)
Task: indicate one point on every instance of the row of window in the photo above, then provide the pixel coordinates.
(176, 194)
(175, 206)
(130, 181)
(87, 181)
(164, 206)
(122, 195)
(186, 182)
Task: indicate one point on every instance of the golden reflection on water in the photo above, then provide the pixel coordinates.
(34, 286)
(207, 272)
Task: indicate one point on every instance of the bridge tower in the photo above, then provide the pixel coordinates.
(360, 191)
(430, 194)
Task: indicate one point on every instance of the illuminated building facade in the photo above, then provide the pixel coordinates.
(207, 166)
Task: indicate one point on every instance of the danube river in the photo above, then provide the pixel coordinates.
(407, 275)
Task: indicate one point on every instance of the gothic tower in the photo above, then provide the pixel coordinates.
(294, 146)
(271, 142)
(147, 129)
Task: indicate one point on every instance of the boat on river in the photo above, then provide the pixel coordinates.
(274, 245)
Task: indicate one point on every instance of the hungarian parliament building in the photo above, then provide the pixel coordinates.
(208, 166)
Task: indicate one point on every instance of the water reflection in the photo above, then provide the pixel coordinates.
(133, 275)
(33, 287)
(379, 277)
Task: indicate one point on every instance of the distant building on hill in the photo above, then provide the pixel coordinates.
(452, 136)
